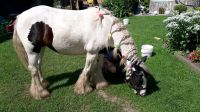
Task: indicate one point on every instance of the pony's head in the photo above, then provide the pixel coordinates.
(136, 76)
(135, 73)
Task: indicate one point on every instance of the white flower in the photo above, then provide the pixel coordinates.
(169, 34)
(195, 17)
(173, 25)
(197, 13)
(196, 27)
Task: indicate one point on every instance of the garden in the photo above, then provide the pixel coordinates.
(173, 87)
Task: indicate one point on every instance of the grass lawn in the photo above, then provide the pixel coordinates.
(177, 88)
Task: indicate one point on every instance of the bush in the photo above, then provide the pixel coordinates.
(161, 10)
(145, 10)
(180, 8)
(198, 8)
(183, 31)
(145, 3)
(120, 8)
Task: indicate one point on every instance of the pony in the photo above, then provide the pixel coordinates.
(72, 32)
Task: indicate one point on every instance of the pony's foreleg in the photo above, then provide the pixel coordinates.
(98, 78)
(36, 89)
(42, 80)
(83, 84)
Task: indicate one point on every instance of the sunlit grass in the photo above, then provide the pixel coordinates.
(178, 84)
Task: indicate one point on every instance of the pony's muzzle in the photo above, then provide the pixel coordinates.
(140, 93)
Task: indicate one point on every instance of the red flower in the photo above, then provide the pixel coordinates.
(194, 56)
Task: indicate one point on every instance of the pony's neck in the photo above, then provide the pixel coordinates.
(123, 41)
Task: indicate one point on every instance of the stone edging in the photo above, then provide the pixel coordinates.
(194, 66)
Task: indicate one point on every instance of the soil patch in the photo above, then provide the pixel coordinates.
(127, 107)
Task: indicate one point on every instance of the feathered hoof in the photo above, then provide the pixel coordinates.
(82, 89)
(101, 85)
(39, 94)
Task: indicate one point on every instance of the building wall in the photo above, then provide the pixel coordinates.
(156, 4)
(169, 4)
(196, 3)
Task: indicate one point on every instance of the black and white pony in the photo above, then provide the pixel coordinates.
(75, 32)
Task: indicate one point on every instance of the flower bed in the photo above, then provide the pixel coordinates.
(184, 34)
(195, 66)
(194, 56)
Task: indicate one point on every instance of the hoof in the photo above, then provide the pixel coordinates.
(101, 85)
(44, 94)
(39, 94)
(84, 89)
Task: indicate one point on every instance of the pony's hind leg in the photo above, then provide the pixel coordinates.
(98, 78)
(42, 80)
(83, 85)
(36, 89)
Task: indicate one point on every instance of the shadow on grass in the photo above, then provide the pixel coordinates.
(5, 37)
(119, 79)
(114, 78)
(151, 84)
(69, 78)
(153, 54)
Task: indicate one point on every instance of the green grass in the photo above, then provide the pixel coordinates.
(177, 88)
(61, 72)
(178, 85)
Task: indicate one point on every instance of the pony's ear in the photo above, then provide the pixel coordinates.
(117, 54)
(144, 59)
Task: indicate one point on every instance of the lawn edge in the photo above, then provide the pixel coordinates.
(194, 66)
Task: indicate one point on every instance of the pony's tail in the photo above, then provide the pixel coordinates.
(19, 48)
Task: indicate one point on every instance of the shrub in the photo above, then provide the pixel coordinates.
(180, 8)
(145, 3)
(120, 8)
(183, 31)
(161, 10)
(198, 8)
